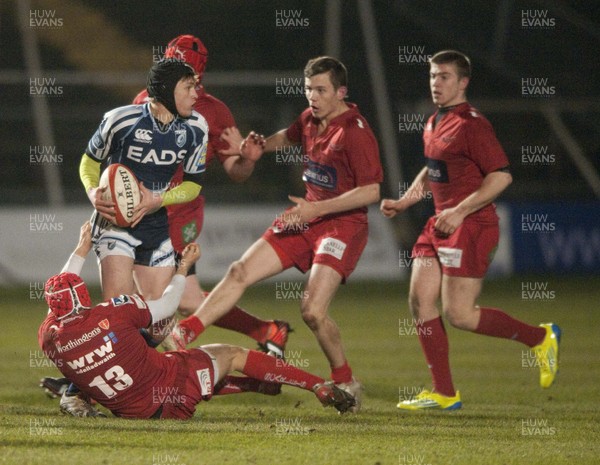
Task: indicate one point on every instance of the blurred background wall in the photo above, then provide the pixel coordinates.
(63, 63)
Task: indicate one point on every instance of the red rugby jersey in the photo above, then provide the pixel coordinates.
(103, 353)
(344, 156)
(218, 116)
(460, 151)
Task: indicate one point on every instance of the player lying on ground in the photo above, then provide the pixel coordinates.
(74, 403)
(101, 350)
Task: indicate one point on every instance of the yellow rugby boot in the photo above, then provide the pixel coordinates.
(546, 354)
(426, 400)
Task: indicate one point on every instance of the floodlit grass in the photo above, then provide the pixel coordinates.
(506, 418)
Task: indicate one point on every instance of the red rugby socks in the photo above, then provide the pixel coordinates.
(190, 328)
(494, 322)
(274, 370)
(239, 320)
(434, 341)
(341, 374)
(238, 384)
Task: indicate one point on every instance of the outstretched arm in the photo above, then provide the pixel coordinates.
(166, 306)
(243, 153)
(77, 259)
(254, 145)
(278, 140)
(238, 168)
(250, 148)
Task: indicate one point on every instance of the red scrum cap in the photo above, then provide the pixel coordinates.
(66, 293)
(190, 49)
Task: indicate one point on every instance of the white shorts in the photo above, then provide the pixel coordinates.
(108, 239)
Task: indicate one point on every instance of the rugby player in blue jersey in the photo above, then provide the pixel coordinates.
(152, 140)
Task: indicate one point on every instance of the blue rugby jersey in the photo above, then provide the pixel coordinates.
(130, 135)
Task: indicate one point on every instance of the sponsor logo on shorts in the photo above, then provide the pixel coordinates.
(205, 381)
(120, 300)
(162, 259)
(189, 232)
(333, 247)
(449, 257)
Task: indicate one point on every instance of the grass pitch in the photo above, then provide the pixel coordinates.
(506, 417)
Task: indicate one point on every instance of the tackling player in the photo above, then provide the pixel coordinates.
(466, 169)
(326, 231)
(101, 349)
(186, 219)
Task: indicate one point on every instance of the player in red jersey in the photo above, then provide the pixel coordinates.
(100, 348)
(466, 169)
(326, 231)
(186, 219)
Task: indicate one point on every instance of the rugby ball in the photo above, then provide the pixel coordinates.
(123, 189)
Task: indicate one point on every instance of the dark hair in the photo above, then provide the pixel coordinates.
(337, 71)
(460, 60)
